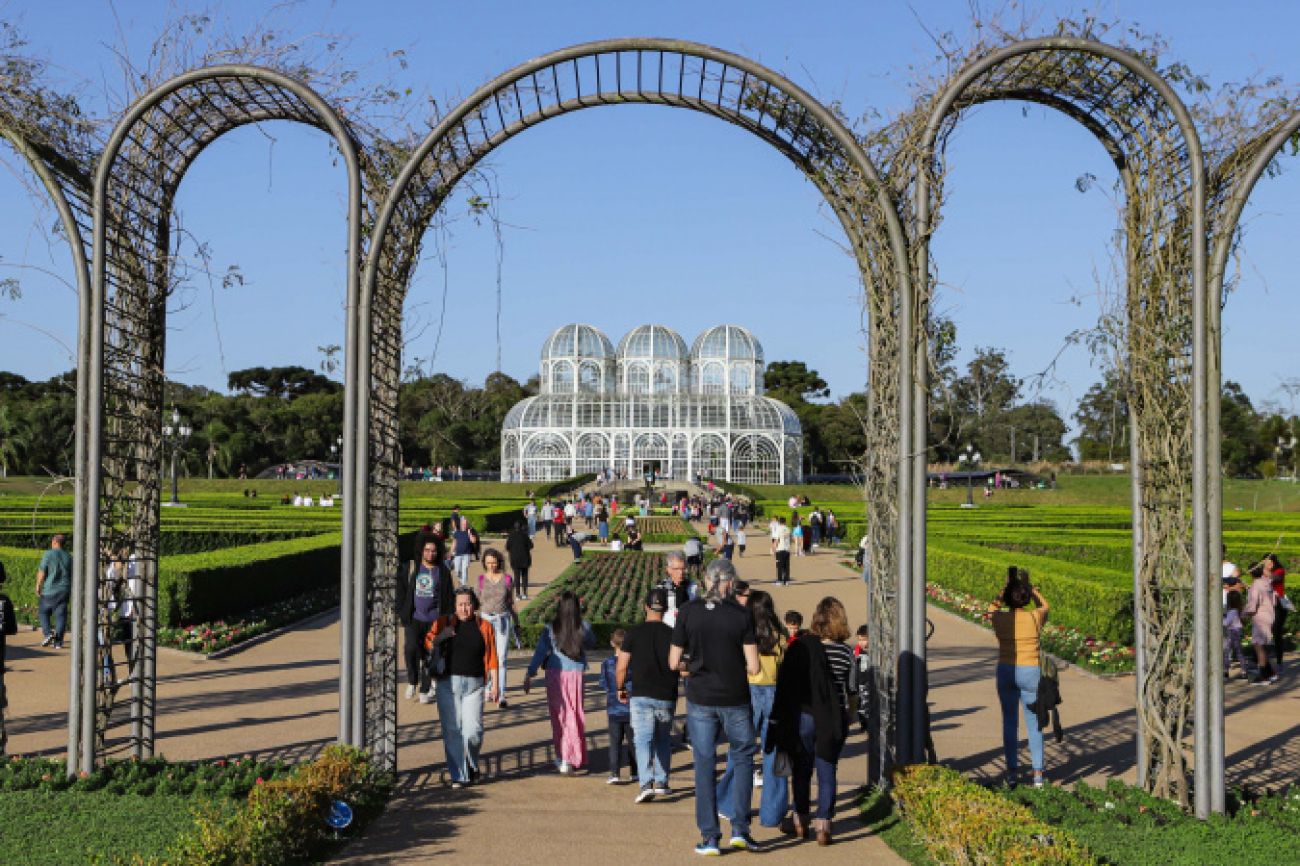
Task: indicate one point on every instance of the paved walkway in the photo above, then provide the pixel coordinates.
(279, 698)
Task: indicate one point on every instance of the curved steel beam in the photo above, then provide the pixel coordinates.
(357, 302)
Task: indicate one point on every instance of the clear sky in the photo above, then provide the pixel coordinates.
(637, 214)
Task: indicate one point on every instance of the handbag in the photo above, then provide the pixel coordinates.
(1287, 604)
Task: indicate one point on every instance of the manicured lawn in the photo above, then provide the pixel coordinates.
(61, 828)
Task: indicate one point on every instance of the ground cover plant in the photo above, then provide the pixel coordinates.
(612, 587)
(659, 529)
(1122, 824)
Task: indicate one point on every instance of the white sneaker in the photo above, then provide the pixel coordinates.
(410, 693)
(566, 769)
(426, 697)
(758, 779)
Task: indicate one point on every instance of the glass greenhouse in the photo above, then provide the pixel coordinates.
(652, 404)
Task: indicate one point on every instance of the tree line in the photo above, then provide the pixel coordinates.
(284, 414)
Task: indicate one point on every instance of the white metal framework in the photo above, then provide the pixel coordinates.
(652, 404)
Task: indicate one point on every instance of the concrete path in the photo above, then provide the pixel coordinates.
(279, 699)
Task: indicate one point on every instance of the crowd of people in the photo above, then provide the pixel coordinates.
(779, 695)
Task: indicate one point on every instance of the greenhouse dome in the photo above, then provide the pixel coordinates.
(652, 405)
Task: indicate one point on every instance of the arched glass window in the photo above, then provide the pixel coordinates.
(637, 379)
(755, 460)
(562, 377)
(742, 378)
(547, 457)
(709, 457)
(589, 378)
(713, 379)
(665, 379)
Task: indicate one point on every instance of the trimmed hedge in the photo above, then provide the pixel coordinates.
(961, 823)
(1090, 599)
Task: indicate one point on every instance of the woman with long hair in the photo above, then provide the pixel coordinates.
(810, 716)
(1277, 576)
(1018, 629)
(496, 593)
(562, 653)
(519, 547)
(1261, 607)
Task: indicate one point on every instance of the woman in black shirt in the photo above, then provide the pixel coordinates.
(464, 659)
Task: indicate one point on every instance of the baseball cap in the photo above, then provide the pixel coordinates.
(657, 599)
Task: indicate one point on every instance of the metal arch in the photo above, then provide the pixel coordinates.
(824, 121)
(83, 753)
(77, 247)
(1209, 792)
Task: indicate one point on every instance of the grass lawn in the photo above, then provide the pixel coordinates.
(68, 827)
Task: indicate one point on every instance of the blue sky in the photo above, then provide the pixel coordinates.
(639, 214)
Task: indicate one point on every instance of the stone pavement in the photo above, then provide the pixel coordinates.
(279, 699)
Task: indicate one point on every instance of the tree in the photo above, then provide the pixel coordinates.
(792, 382)
(282, 382)
(1102, 416)
(1039, 432)
(1242, 448)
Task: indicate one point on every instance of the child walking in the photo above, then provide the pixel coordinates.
(619, 713)
(1232, 631)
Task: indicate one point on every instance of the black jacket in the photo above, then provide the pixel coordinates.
(804, 684)
(406, 591)
(519, 548)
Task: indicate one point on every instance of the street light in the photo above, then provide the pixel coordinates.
(335, 447)
(175, 434)
(968, 461)
(1284, 444)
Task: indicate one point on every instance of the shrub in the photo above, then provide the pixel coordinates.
(961, 823)
(283, 820)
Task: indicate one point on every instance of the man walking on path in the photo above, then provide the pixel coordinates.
(717, 637)
(644, 655)
(781, 551)
(53, 586)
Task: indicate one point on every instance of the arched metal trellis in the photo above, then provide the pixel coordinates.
(650, 71)
(135, 186)
(69, 187)
(1150, 136)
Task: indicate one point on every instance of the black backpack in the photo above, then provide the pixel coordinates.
(8, 618)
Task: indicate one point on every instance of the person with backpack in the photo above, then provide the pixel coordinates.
(497, 605)
(424, 592)
(463, 658)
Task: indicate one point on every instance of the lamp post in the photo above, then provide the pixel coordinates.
(335, 447)
(968, 461)
(1283, 444)
(175, 434)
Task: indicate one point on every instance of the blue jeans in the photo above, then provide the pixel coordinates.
(806, 763)
(532, 526)
(1018, 684)
(502, 630)
(652, 726)
(460, 564)
(773, 802)
(736, 725)
(460, 711)
(58, 605)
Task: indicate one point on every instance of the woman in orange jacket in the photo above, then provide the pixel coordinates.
(463, 659)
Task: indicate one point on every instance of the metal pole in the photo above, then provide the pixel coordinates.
(175, 492)
(1139, 622)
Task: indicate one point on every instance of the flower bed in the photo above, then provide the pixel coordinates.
(209, 637)
(612, 587)
(1072, 645)
(220, 778)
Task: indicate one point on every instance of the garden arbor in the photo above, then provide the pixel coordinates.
(616, 72)
(889, 210)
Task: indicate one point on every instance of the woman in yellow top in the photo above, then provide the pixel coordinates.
(774, 802)
(1018, 628)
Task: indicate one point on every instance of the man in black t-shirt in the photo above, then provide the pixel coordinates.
(715, 637)
(643, 659)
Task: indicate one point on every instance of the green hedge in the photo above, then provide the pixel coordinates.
(961, 823)
(1090, 599)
